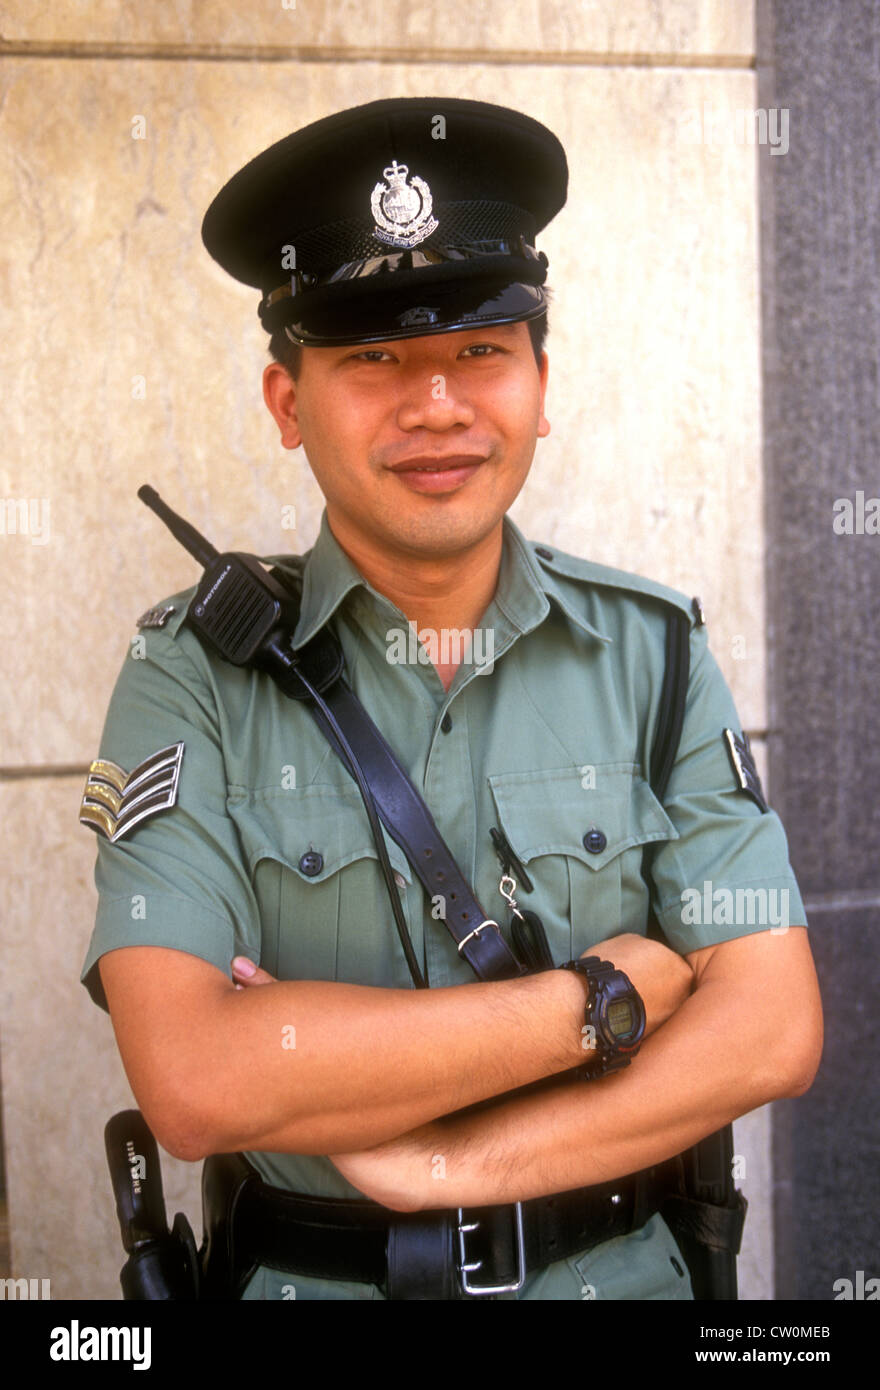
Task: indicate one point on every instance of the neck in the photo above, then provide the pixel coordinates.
(450, 592)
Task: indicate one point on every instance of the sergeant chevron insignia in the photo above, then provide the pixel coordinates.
(114, 801)
(744, 767)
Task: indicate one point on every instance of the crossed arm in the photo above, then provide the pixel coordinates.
(374, 1075)
(750, 1032)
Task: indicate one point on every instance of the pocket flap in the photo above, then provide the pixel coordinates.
(552, 811)
(331, 822)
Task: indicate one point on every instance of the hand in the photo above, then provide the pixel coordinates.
(662, 977)
(399, 1172)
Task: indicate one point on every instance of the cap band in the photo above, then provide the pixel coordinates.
(401, 261)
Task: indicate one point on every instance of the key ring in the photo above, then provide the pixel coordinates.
(507, 894)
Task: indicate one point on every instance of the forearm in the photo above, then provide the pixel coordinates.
(698, 1072)
(320, 1067)
(396, 1058)
(313, 1067)
(575, 1136)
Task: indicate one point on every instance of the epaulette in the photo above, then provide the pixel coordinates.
(167, 615)
(588, 572)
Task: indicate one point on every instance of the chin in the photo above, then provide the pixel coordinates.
(444, 535)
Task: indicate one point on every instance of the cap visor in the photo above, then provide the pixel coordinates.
(444, 309)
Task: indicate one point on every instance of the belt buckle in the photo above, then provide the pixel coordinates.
(464, 1269)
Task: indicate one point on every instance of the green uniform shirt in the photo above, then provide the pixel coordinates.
(545, 733)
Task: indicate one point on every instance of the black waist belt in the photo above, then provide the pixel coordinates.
(448, 1254)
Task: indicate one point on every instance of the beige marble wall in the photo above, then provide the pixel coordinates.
(556, 30)
(62, 1075)
(129, 356)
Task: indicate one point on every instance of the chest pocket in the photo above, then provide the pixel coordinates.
(324, 906)
(581, 832)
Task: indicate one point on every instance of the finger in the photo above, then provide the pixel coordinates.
(245, 972)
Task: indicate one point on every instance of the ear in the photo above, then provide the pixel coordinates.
(543, 422)
(279, 393)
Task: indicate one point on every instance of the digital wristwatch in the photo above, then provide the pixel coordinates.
(615, 1016)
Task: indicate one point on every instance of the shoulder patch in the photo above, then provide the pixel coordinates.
(587, 571)
(114, 801)
(744, 767)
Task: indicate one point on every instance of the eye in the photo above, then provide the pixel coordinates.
(481, 350)
(371, 355)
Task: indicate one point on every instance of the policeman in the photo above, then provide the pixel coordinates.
(521, 689)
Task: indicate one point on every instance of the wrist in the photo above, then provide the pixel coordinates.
(615, 1014)
(572, 992)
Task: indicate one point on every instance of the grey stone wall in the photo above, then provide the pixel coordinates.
(821, 303)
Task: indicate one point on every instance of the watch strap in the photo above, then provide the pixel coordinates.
(597, 972)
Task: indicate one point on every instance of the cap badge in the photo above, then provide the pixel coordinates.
(402, 210)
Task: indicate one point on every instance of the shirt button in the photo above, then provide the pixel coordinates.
(311, 863)
(595, 841)
(446, 722)
(399, 880)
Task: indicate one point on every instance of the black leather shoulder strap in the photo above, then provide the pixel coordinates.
(707, 1219)
(673, 698)
(667, 735)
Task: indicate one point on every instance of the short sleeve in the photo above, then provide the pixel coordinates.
(728, 873)
(178, 877)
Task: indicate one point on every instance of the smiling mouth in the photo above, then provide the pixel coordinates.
(439, 465)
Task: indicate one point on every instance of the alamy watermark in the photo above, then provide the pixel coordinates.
(860, 1288)
(740, 907)
(25, 1288)
(451, 646)
(719, 125)
(856, 516)
(25, 516)
(76, 1343)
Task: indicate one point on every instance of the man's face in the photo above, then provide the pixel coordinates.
(419, 445)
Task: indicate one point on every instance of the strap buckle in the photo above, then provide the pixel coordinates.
(476, 931)
(464, 1268)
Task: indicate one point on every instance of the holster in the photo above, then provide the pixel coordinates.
(707, 1217)
(164, 1269)
(224, 1271)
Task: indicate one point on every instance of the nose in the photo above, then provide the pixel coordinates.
(434, 401)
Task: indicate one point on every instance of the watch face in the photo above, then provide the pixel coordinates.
(620, 1017)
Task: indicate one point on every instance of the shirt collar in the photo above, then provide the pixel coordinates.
(525, 588)
(523, 592)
